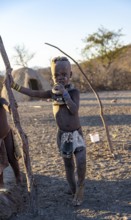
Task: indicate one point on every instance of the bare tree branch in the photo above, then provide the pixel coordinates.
(22, 56)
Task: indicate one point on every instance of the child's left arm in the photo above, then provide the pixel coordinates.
(72, 101)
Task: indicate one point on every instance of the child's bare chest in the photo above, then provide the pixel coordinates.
(60, 111)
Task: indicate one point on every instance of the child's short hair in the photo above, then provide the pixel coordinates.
(54, 60)
(60, 59)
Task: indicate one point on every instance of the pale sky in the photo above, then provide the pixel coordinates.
(64, 23)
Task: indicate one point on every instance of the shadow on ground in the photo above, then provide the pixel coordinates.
(95, 120)
(53, 203)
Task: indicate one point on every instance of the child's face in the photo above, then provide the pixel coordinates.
(61, 72)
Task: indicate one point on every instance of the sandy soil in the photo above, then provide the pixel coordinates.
(108, 180)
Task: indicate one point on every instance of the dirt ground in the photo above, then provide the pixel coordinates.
(108, 180)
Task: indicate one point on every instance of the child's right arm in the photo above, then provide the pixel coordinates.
(32, 93)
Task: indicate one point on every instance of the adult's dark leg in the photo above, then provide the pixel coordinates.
(9, 144)
(3, 162)
(1, 180)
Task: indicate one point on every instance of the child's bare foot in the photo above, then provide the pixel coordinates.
(69, 192)
(78, 198)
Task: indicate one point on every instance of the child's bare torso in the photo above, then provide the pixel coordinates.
(65, 120)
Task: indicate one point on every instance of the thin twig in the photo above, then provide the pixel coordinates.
(97, 97)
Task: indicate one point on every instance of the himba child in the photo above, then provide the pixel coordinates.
(7, 148)
(69, 136)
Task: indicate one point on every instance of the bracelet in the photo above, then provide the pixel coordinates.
(66, 96)
(16, 87)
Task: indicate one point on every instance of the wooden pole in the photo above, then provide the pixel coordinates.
(17, 124)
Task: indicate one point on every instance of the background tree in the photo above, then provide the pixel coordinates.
(23, 56)
(103, 44)
(101, 50)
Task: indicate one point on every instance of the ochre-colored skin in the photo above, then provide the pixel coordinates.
(6, 135)
(67, 119)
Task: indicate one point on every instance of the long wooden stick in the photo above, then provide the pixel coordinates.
(16, 120)
(97, 97)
